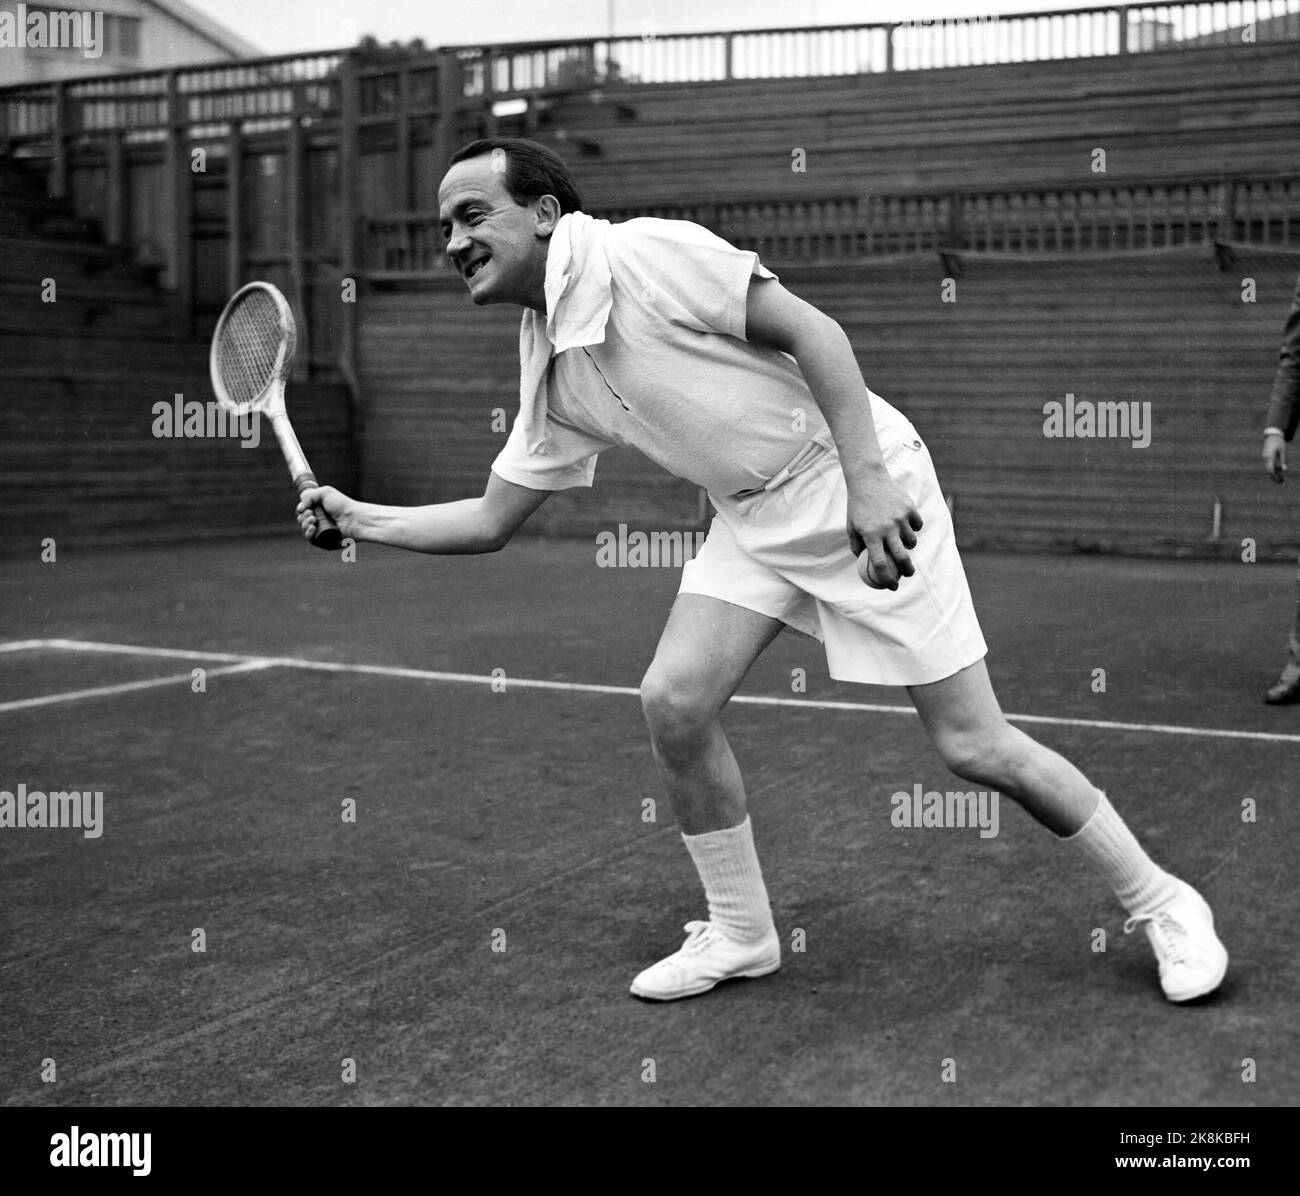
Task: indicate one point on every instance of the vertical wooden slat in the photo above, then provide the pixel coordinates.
(349, 216)
(489, 93)
(59, 138)
(116, 223)
(403, 131)
(234, 207)
(449, 102)
(953, 231)
(1222, 217)
(181, 198)
(296, 230)
(350, 251)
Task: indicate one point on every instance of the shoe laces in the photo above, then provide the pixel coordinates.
(699, 937)
(1170, 935)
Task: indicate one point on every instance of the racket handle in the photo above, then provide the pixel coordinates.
(327, 534)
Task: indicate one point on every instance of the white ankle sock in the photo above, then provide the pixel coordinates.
(733, 882)
(1138, 882)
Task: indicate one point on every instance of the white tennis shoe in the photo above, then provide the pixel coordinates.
(1192, 960)
(707, 957)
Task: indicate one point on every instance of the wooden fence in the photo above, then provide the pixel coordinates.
(876, 48)
(1091, 220)
(974, 364)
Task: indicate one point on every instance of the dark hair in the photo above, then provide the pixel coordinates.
(532, 170)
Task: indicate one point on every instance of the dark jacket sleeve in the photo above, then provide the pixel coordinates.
(1284, 407)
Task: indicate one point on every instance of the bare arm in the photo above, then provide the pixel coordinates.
(882, 519)
(483, 524)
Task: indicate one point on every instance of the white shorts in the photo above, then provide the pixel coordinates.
(784, 552)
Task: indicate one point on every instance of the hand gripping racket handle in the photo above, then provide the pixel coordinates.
(327, 534)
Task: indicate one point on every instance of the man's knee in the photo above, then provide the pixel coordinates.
(679, 708)
(976, 753)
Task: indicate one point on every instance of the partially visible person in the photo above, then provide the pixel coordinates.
(1283, 416)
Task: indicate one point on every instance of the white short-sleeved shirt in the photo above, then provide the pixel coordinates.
(675, 377)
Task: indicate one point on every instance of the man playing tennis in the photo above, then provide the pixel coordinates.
(660, 335)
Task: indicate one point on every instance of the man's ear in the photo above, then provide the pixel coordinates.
(546, 215)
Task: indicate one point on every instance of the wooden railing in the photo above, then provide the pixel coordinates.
(651, 57)
(1263, 213)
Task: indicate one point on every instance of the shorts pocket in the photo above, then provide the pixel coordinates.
(907, 443)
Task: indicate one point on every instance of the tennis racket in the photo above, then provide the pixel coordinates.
(252, 353)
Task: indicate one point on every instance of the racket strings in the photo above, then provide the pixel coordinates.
(248, 347)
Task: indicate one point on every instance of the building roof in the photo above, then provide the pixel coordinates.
(206, 27)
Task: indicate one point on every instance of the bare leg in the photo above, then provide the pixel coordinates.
(977, 743)
(704, 653)
(975, 740)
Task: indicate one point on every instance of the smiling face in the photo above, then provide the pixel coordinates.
(496, 245)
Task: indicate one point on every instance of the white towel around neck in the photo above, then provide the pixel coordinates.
(578, 299)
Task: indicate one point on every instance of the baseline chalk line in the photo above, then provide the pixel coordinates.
(247, 663)
(106, 691)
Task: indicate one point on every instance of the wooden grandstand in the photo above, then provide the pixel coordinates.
(1103, 189)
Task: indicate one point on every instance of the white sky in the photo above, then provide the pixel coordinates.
(289, 26)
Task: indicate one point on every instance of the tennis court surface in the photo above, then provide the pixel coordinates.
(469, 937)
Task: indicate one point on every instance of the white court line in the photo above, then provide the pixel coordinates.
(105, 691)
(131, 650)
(377, 670)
